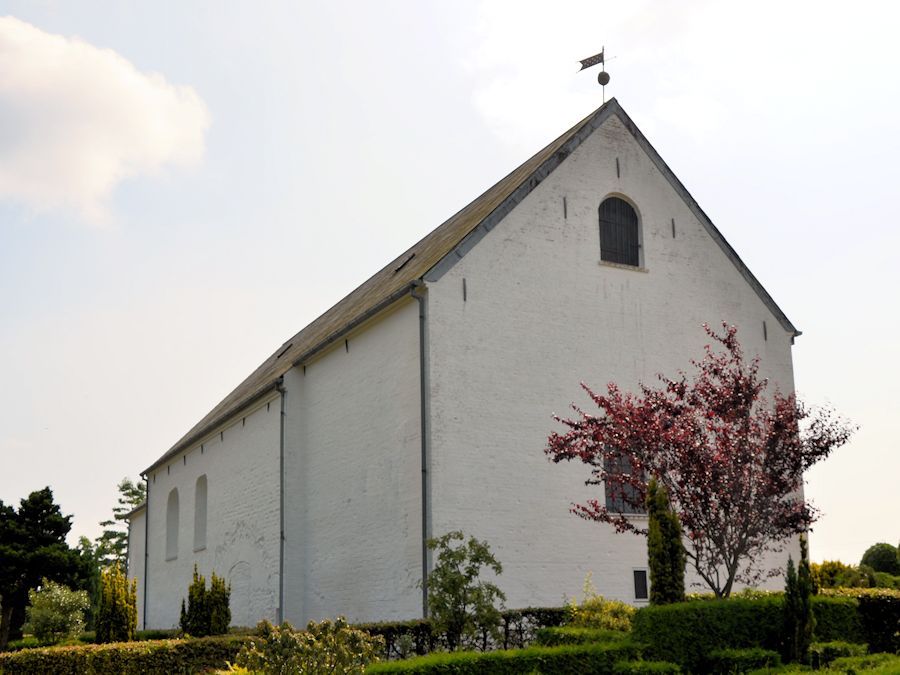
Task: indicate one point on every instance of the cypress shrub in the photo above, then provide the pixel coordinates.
(798, 617)
(207, 611)
(665, 548)
(116, 619)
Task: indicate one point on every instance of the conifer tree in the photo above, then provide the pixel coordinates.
(116, 619)
(798, 617)
(665, 548)
(207, 611)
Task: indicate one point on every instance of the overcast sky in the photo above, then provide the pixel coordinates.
(184, 185)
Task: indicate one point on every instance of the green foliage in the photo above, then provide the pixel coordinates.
(570, 635)
(208, 610)
(798, 617)
(566, 660)
(33, 547)
(160, 657)
(882, 558)
(665, 548)
(56, 612)
(885, 580)
(461, 605)
(827, 573)
(872, 664)
(727, 661)
(595, 611)
(112, 544)
(881, 622)
(639, 667)
(821, 654)
(117, 612)
(326, 647)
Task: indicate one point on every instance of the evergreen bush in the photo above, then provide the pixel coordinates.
(55, 612)
(116, 619)
(798, 617)
(821, 654)
(595, 611)
(207, 611)
(665, 548)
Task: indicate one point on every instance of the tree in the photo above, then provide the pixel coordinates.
(799, 620)
(32, 547)
(730, 459)
(665, 548)
(56, 612)
(117, 611)
(112, 544)
(459, 604)
(882, 558)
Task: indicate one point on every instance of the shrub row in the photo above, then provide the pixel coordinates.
(685, 633)
(519, 629)
(741, 660)
(160, 657)
(573, 635)
(821, 654)
(569, 659)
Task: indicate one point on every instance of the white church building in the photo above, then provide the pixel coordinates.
(422, 402)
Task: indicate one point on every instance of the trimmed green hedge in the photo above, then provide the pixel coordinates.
(686, 632)
(741, 660)
(570, 635)
(566, 660)
(640, 667)
(823, 653)
(160, 657)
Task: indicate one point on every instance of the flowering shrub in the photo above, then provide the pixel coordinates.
(595, 611)
(55, 612)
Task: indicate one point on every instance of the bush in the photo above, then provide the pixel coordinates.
(570, 635)
(799, 620)
(568, 660)
(207, 611)
(877, 617)
(823, 653)
(638, 667)
(886, 664)
(55, 612)
(326, 647)
(597, 612)
(161, 657)
(460, 605)
(116, 619)
(882, 558)
(741, 660)
(665, 550)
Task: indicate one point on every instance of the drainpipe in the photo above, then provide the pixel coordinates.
(280, 388)
(146, 545)
(419, 293)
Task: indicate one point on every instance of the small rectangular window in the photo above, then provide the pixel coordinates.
(640, 585)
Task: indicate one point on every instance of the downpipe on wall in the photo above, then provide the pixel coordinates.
(280, 388)
(419, 293)
(146, 546)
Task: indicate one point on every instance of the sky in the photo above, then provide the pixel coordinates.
(184, 185)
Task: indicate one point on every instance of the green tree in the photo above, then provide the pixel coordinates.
(461, 605)
(882, 558)
(112, 544)
(117, 611)
(207, 611)
(665, 548)
(55, 612)
(798, 617)
(33, 547)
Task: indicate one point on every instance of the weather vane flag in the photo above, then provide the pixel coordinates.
(603, 76)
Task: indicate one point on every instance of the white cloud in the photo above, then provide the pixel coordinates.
(75, 120)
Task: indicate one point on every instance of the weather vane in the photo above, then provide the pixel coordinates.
(602, 76)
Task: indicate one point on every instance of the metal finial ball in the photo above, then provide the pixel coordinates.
(603, 78)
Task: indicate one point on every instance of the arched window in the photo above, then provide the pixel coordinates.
(200, 514)
(619, 234)
(172, 525)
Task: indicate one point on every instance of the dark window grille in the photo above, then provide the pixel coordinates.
(640, 585)
(621, 497)
(619, 241)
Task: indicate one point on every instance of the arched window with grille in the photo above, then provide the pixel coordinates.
(619, 232)
(172, 525)
(200, 514)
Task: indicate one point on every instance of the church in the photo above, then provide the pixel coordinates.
(422, 401)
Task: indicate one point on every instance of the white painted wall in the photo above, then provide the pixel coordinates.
(353, 507)
(137, 525)
(240, 461)
(542, 315)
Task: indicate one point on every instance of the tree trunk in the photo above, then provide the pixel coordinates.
(5, 618)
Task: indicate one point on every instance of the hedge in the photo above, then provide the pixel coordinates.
(519, 629)
(821, 654)
(159, 657)
(686, 632)
(566, 660)
(642, 667)
(741, 660)
(571, 635)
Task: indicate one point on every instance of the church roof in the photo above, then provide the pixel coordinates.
(431, 257)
